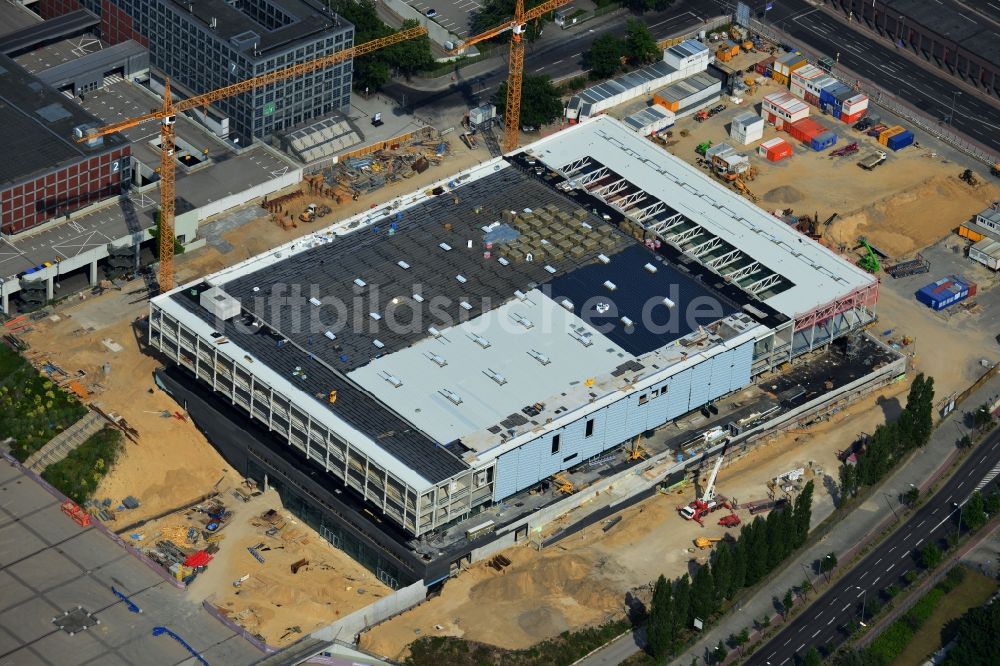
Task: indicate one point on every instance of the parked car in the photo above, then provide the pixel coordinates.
(431, 13)
(719, 108)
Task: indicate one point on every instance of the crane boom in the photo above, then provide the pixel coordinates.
(515, 65)
(263, 80)
(709, 493)
(167, 116)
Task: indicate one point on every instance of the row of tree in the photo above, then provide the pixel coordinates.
(372, 71)
(761, 546)
(609, 55)
(893, 440)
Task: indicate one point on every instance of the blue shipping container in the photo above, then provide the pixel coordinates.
(823, 141)
(901, 140)
(944, 292)
(828, 94)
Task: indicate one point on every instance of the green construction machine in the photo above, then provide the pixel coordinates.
(869, 261)
(703, 147)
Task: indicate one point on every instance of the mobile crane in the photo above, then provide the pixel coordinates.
(709, 501)
(869, 261)
(167, 116)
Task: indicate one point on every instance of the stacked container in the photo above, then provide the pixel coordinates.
(775, 149)
(746, 127)
(946, 291)
(765, 66)
(886, 134)
(853, 108)
(831, 98)
(801, 77)
(780, 108)
(815, 86)
(786, 64)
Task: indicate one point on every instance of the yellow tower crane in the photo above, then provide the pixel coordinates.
(515, 68)
(167, 116)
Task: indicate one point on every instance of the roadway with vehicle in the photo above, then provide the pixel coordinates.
(824, 622)
(922, 88)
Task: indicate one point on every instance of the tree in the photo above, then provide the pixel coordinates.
(911, 496)
(720, 653)
(411, 56)
(920, 406)
(722, 571)
(931, 556)
(806, 587)
(154, 232)
(703, 599)
(848, 480)
(993, 503)
(496, 12)
(739, 565)
(605, 57)
(658, 629)
(777, 539)
(786, 603)
(827, 563)
(640, 6)
(982, 419)
(540, 102)
(974, 512)
(640, 45)
(812, 658)
(803, 514)
(975, 637)
(682, 605)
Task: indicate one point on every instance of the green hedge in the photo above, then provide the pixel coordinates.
(891, 642)
(923, 609)
(78, 474)
(32, 408)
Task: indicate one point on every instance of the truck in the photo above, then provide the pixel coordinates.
(872, 160)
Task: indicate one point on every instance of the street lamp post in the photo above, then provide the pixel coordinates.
(954, 98)
(864, 599)
(828, 556)
(959, 509)
(887, 501)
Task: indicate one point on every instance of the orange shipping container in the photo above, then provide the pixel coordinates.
(971, 234)
(883, 138)
(666, 104)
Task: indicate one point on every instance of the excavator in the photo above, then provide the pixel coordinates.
(869, 261)
(742, 188)
(706, 542)
(709, 501)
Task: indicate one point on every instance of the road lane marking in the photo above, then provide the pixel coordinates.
(876, 580)
(877, 561)
(814, 635)
(921, 523)
(787, 642)
(800, 647)
(831, 621)
(919, 542)
(845, 608)
(892, 549)
(890, 567)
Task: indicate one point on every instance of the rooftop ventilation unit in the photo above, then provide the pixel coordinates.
(330, 335)
(539, 356)
(495, 376)
(374, 315)
(444, 246)
(522, 320)
(585, 339)
(433, 331)
(360, 282)
(392, 379)
(550, 269)
(461, 278)
(609, 285)
(403, 265)
(480, 340)
(669, 303)
(453, 397)
(566, 303)
(437, 358)
(503, 261)
(520, 295)
(219, 303)
(378, 343)
(316, 302)
(650, 267)
(418, 298)
(466, 305)
(627, 323)
(604, 259)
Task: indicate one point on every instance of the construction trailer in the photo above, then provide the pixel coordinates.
(746, 128)
(986, 252)
(945, 292)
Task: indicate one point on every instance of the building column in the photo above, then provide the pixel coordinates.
(93, 273)
(50, 288)
(4, 300)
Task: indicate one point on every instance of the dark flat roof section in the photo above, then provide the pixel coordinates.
(52, 30)
(638, 295)
(36, 125)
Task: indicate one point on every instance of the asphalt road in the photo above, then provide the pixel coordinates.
(824, 621)
(556, 55)
(876, 61)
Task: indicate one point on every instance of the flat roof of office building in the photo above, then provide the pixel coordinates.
(14, 17)
(36, 124)
(294, 21)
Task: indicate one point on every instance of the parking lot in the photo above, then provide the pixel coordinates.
(454, 15)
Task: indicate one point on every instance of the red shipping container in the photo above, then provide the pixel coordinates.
(850, 119)
(811, 98)
(972, 289)
(805, 130)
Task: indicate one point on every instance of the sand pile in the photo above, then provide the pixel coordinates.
(784, 194)
(914, 218)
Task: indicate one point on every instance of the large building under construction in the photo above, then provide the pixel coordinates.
(437, 355)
